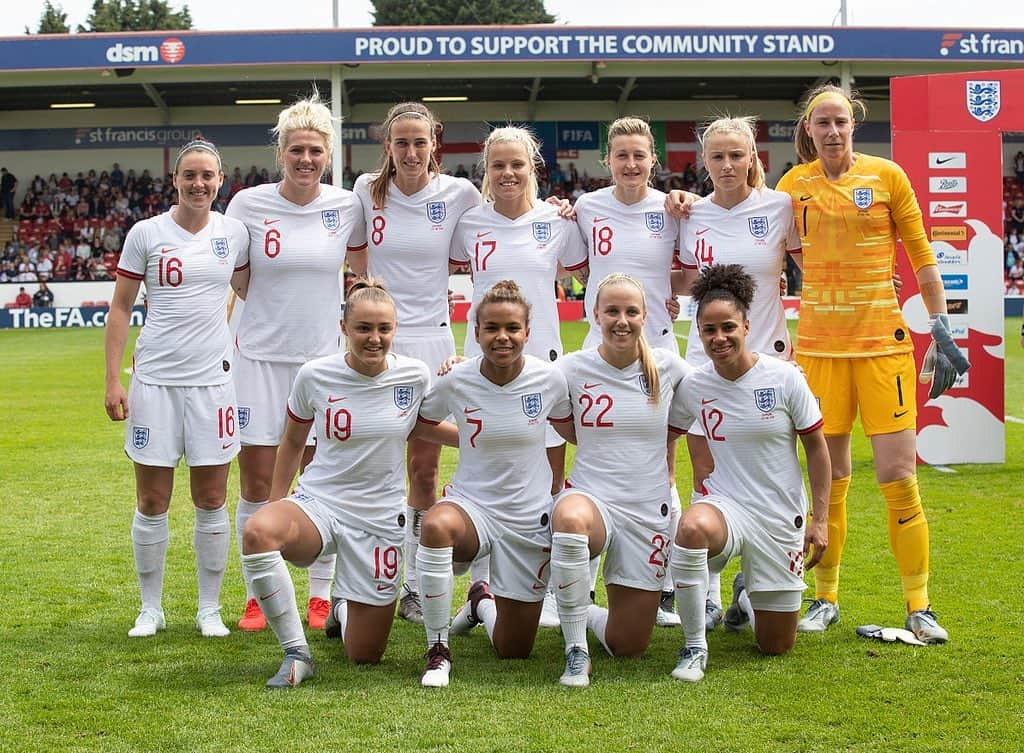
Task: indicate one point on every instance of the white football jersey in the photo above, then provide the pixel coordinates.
(293, 308)
(185, 341)
(751, 426)
(503, 465)
(361, 425)
(755, 233)
(527, 250)
(634, 239)
(408, 242)
(620, 434)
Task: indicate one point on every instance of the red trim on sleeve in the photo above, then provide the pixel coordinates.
(578, 266)
(688, 266)
(130, 275)
(799, 250)
(242, 268)
(458, 262)
(358, 248)
(427, 421)
(809, 429)
(295, 418)
(676, 429)
(552, 419)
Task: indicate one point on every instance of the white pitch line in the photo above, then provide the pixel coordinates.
(1015, 420)
(944, 469)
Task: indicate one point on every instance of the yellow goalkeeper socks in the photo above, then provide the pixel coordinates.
(908, 537)
(826, 572)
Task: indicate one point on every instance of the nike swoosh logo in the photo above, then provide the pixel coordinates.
(707, 402)
(901, 521)
(270, 222)
(225, 446)
(275, 593)
(562, 587)
(434, 596)
(168, 250)
(386, 587)
(591, 386)
(467, 411)
(701, 232)
(538, 586)
(939, 161)
(481, 235)
(899, 414)
(335, 399)
(808, 197)
(600, 219)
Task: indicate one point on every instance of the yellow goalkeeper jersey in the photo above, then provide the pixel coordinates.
(848, 230)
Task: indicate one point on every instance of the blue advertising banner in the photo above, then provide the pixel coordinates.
(528, 43)
(61, 318)
(579, 135)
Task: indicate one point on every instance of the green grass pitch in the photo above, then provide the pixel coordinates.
(72, 680)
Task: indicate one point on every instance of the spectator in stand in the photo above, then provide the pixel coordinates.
(65, 182)
(8, 185)
(97, 271)
(23, 300)
(44, 267)
(1016, 222)
(61, 263)
(42, 298)
(253, 177)
(116, 176)
(79, 270)
(1015, 279)
(26, 269)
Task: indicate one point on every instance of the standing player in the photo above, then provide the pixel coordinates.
(350, 500)
(627, 230)
(620, 393)
(752, 408)
(516, 236)
(853, 343)
(298, 229)
(740, 222)
(181, 400)
(499, 500)
(410, 209)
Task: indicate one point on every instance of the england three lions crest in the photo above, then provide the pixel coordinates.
(758, 226)
(403, 396)
(645, 386)
(655, 221)
(533, 404)
(331, 218)
(243, 416)
(764, 399)
(542, 232)
(983, 99)
(220, 247)
(863, 197)
(140, 437)
(436, 212)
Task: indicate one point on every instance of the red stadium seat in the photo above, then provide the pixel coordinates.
(88, 303)
(102, 304)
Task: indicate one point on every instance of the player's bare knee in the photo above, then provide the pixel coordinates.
(571, 516)
(364, 655)
(152, 502)
(694, 528)
(259, 535)
(438, 527)
(776, 645)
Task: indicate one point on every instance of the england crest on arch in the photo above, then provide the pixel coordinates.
(863, 197)
(655, 221)
(984, 99)
(533, 404)
(436, 212)
(403, 396)
(758, 226)
(331, 218)
(542, 232)
(764, 399)
(140, 437)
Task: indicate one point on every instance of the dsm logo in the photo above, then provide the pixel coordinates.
(436, 212)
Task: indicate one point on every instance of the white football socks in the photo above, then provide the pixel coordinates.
(243, 512)
(150, 534)
(211, 536)
(690, 577)
(570, 579)
(413, 521)
(272, 586)
(321, 573)
(436, 579)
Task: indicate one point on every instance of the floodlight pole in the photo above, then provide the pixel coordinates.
(338, 159)
(845, 74)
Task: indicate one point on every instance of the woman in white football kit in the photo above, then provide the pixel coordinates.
(740, 222)
(298, 230)
(516, 236)
(752, 409)
(499, 500)
(409, 211)
(181, 400)
(617, 500)
(350, 500)
(627, 230)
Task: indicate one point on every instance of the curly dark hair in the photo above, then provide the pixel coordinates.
(724, 282)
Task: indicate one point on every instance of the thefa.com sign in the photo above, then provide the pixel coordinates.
(171, 50)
